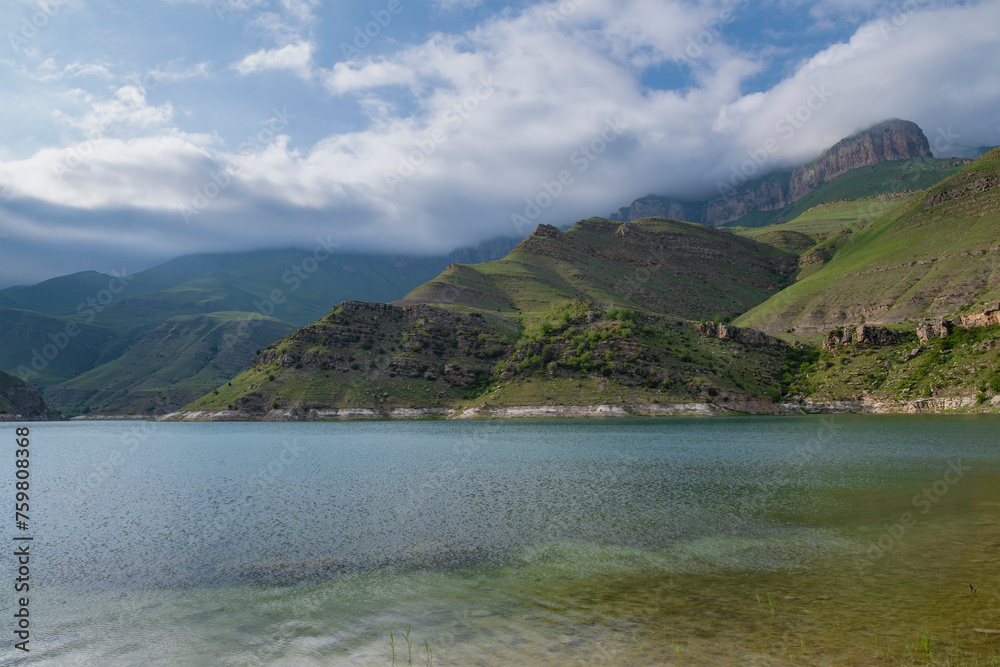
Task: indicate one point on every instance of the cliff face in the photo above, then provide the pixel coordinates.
(662, 207)
(888, 141)
(885, 142)
(768, 196)
(20, 401)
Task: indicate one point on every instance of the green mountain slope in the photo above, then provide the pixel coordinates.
(381, 358)
(46, 349)
(58, 296)
(880, 179)
(180, 360)
(657, 265)
(96, 319)
(965, 366)
(933, 255)
(599, 314)
(830, 217)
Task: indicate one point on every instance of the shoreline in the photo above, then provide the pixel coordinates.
(867, 405)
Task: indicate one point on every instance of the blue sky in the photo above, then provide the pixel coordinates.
(136, 132)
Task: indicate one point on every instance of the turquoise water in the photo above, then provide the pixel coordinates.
(532, 542)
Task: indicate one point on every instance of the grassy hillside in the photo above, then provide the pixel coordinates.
(817, 235)
(173, 364)
(380, 357)
(965, 364)
(829, 218)
(933, 255)
(880, 179)
(116, 319)
(40, 343)
(602, 313)
(607, 313)
(657, 265)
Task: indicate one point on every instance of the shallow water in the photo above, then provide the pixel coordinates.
(531, 542)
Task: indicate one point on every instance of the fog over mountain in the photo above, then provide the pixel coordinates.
(203, 125)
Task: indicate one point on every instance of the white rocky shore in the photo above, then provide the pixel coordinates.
(867, 405)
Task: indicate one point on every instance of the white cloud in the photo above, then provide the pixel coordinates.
(106, 172)
(172, 74)
(126, 110)
(556, 79)
(49, 70)
(458, 4)
(296, 58)
(300, 10)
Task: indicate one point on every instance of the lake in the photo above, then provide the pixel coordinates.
(739, 540)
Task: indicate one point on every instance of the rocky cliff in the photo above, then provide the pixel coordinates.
(20, 401)
(863, 335)
(888, 141)
(742, 335)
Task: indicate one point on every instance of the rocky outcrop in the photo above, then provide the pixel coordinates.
(742, 335)
(961, 188)
(770, 195)
(20, 401)
(986, 317)
(888, 141)
(929, 330)
(942, 328)
(866, 335)
(875, 405)
(863, 335)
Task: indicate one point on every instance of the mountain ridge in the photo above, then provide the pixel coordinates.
(932, 255)
(890, 140)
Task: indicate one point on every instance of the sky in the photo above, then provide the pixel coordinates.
(133, 133)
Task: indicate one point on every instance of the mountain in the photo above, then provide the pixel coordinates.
(85, 338)
(933, 255)
(20, 401)
(605, 313)
(610, 318)
(889, 141)
(898, 143)
(658, 265)
(173, 364)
